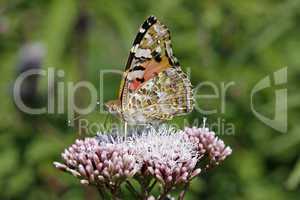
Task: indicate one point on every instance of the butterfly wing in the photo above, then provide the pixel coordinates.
(151, 71)
(151, 53)
(166, 95)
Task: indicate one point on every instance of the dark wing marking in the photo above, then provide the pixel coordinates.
(142, 31)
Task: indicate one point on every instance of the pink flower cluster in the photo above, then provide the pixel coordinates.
(208, 143)
(169, 156)
(108, 163)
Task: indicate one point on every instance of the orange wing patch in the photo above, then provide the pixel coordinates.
(152, 67)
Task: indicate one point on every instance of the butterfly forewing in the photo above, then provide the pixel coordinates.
(148, 55)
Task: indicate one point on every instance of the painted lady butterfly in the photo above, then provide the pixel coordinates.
(154, 87)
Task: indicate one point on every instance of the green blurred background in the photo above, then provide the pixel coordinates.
(220, 41)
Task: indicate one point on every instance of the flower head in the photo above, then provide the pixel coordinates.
(99, 163)
(208, 144)
(167, 155)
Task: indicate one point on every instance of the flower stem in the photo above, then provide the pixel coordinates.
(152, 186)
(115, 192)
(131, 189)
(165, 193)
(102, 192)
(183, 192)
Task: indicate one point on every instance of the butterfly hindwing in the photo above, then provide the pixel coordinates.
(164, 96)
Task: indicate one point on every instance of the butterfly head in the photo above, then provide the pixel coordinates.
(113, 107)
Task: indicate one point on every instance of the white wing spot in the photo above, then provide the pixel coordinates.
(134, 48)
(142, 30)
(135, 74)
(145, 53)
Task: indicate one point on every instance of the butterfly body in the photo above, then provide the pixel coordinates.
(154, 88)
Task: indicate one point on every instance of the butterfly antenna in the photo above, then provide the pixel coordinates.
(71, 122)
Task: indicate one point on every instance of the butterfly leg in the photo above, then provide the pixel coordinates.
(125, 130)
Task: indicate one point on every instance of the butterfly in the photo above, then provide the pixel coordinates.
(154, 88)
